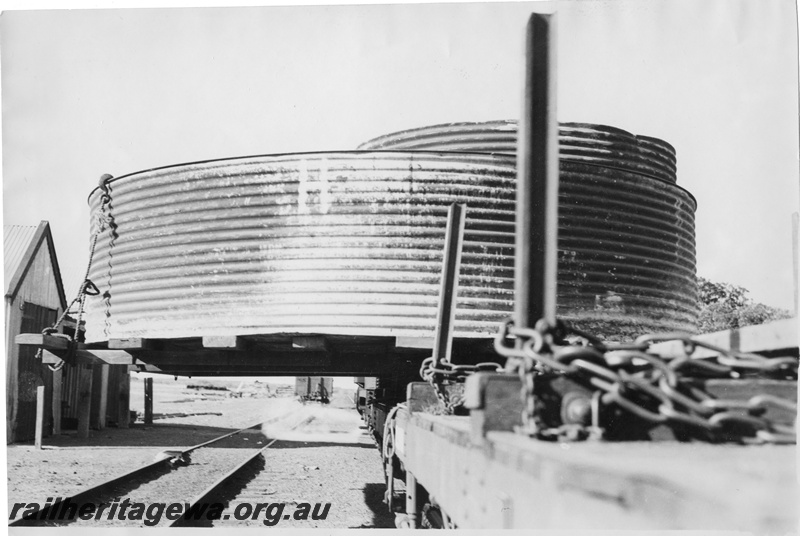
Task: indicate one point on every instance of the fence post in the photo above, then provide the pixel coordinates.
(148, 400)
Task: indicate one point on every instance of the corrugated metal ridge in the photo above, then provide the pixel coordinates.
(16, 241)
(41, 235)
(490, 163)
(599, 144)
(507, 128)
(226, 162)
(245, 246)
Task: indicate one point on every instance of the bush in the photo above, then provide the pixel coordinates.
(725, 306)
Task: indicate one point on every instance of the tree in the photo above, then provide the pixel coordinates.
(726, 306)
(730, 295)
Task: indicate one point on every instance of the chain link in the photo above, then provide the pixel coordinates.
(658, 389)
(87, 288)
(444, 373)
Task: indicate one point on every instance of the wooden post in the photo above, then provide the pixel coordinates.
(112, 403)
(412, 501)
(40, 395)
(148, 401)
(123, 397)
(58, 380)
(494, 404)
(84, 399)
(103, 406)
(97, 378)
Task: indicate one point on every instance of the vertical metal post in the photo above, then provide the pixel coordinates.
(148, 400)
(536, 256)
(448, 293)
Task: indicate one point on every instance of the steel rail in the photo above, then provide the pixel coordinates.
(221, 481)
(48, 515)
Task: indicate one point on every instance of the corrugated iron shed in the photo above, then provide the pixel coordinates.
(34, 299)
(16, 242)
(20, 243)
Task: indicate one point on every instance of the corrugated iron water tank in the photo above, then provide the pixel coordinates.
(333, 243)
(626, 230)
(351, 243)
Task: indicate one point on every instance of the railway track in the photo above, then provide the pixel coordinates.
(194, 513)
(282, 486)
(159, 482)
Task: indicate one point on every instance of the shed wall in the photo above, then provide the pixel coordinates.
(38, 287)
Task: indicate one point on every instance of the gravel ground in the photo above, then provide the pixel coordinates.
(34, 475)
(331, 460)
(348, 478)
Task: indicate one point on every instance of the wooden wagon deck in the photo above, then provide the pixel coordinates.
(511, 481)
(484, 475)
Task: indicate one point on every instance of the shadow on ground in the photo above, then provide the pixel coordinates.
(152, 435)
(382, 518)
(286, 444)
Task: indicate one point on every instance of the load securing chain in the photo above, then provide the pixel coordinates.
(87, 288)
(658, 389)
(441, 373)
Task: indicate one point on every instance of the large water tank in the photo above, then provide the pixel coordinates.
(626, 230)
(328, 243)
(598, 145)
(350, 243)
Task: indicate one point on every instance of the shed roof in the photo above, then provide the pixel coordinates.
(20, 245)
(16, 239)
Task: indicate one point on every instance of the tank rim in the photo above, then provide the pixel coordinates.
(410, 153)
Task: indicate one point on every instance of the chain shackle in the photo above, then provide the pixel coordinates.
(652, 387)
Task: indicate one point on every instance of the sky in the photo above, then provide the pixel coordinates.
(87, 92)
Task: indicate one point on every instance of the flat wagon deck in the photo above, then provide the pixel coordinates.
(505, 480)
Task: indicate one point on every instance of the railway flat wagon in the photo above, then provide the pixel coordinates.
(315, 388)
(527, 291)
